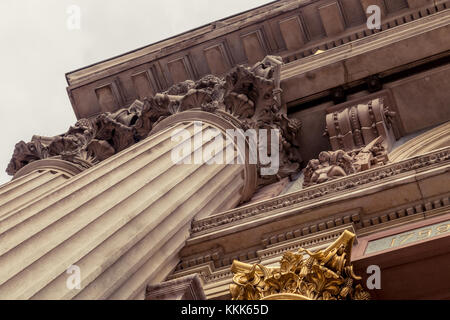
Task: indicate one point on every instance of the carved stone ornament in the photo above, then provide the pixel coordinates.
(336, 164)
(300, 198)
(321, 275)
(357, 126)
(248, 96)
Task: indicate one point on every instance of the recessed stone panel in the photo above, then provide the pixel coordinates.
(254, 47)
(332, 18)
(419, 3)
(107, 97)
(217, 59)
(179, 70)
(313, 22)
(366, 3)
(353, 12)
(292, 32)
(142, 85)
(396, 5)
(408, 237)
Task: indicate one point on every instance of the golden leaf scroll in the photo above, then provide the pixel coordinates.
(323, 275)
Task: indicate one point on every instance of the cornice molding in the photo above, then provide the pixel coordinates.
(370, 43)
(182, 41)
(313, 234)
(210, 273)
(290, 201)
(55, 164)
(431, 140)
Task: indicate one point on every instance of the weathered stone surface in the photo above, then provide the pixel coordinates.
(185, 288)
(359, 125)
(358, 181)
(336, 164)
(138, 216)
(428, 89)
(249, 97)
(291, 29)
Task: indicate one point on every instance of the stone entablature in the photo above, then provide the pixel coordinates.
(317, 233)
(324, 218)
(351, 64)
(413, 260)
(282, 28)
(306, 19)
(350, 183)
(323, 223)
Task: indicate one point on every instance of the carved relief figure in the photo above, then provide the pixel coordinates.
(335, 164)
(330, 165)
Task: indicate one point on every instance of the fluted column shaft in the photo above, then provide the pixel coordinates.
(32, 183)
(121, 222)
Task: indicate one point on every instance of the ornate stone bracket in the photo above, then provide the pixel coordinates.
(248, 97)
(357, 126)
(322, 275)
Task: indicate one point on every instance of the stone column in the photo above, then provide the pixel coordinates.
(121, 222)
(33, 182)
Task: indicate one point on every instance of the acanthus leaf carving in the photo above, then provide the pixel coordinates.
(303, 275)
(250, 96)
(25, 153)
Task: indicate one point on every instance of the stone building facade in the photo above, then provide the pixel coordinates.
(363, 117)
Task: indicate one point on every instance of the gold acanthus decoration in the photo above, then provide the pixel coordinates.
(323, 275)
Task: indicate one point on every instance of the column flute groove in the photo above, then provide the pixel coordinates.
(65, 192)
(27, 254)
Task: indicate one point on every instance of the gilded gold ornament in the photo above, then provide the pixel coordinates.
(322, 275)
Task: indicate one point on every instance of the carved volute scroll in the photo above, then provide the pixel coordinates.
(247, 96)
(357, 126)
(361, 137)
(304, 275)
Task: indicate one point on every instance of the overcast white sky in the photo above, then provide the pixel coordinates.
(37, 49)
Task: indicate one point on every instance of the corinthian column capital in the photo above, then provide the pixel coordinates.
(247, 98)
